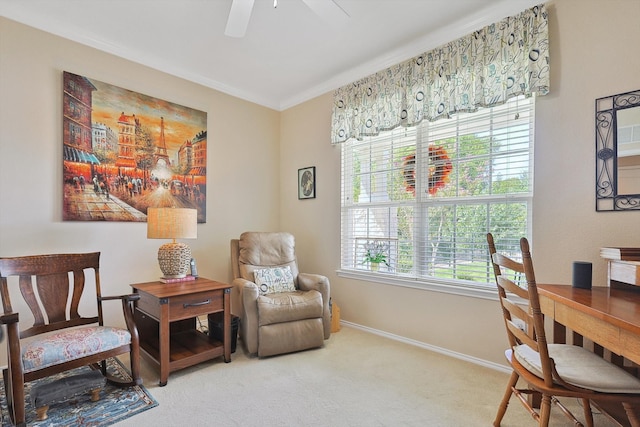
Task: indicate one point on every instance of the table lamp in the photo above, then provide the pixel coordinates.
(173, 223)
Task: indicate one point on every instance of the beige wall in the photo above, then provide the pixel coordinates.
(243, 180)
(594, 46)
(254, 155)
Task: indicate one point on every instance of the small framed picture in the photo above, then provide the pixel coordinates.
(307, 183)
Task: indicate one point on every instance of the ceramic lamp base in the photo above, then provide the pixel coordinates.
(174, 260)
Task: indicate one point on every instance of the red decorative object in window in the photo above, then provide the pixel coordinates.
(440, 167)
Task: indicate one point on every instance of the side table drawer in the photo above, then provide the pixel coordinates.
(186, 306)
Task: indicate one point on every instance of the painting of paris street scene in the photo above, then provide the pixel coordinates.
(125, 152)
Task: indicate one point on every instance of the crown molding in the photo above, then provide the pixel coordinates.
(423, 44)
(498, 11)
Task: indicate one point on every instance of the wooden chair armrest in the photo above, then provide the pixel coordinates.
(8, 318)
(127, 308)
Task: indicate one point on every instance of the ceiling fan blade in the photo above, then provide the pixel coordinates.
(328, 10)
(239, 18)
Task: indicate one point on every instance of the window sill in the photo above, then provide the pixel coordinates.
(448, 287)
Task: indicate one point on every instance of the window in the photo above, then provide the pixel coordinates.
(420, 200)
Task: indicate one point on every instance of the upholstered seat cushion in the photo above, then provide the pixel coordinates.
(289, 306)
(71, 344)
(581, 368)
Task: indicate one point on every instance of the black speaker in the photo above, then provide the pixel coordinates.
(582, 274)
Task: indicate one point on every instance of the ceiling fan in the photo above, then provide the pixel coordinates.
(240, 13)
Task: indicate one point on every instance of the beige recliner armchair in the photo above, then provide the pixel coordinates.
(286, 310)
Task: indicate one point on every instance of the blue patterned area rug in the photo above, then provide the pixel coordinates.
(115, 404)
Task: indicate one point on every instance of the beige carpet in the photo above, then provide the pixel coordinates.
(357, 379)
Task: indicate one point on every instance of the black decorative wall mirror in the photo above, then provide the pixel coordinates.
(618, 152)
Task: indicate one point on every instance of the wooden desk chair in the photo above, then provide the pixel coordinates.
(60, 339)
(551, 370)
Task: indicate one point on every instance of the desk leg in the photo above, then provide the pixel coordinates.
(559, 333)
(578, 339)
(598, 349)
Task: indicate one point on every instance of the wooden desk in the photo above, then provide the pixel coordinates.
(607, 316)
(166, 319)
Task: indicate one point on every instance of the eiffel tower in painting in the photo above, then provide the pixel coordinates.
(161, 158)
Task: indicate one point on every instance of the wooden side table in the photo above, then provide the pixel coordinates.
(166, 319)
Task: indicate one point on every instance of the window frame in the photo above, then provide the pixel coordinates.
(433, 283)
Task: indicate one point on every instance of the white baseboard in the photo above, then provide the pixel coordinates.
(446, 352)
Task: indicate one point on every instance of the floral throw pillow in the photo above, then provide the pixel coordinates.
(271, 280)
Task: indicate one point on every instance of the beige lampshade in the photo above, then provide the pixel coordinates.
(173, 223)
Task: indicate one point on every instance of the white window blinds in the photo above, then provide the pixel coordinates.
(423, 198)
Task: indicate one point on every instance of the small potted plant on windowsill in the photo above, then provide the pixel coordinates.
(375, 254)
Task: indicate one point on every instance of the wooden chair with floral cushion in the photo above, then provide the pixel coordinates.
(42, 297)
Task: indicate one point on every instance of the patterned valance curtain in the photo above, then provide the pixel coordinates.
(482, 69)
